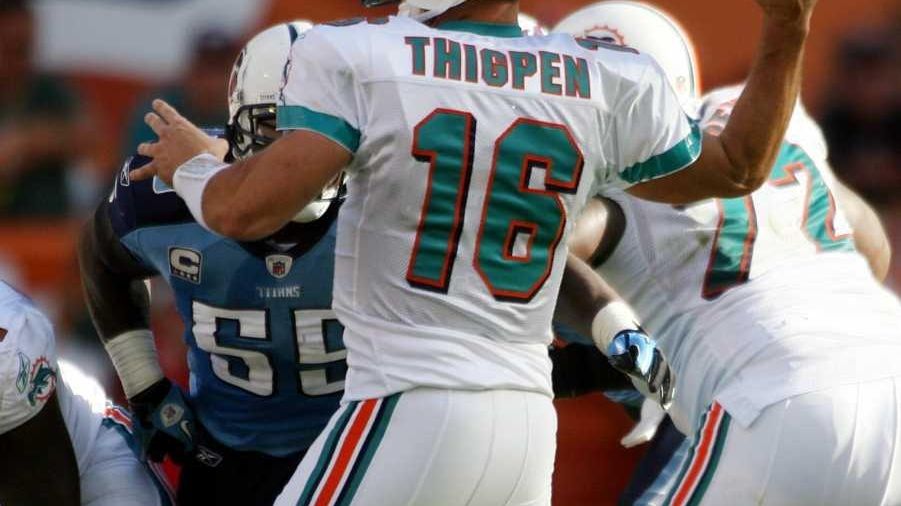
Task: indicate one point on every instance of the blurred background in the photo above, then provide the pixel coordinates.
(76, 77)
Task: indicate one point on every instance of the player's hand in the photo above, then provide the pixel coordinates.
(164, 422)
(652, 414)
(179, 141)
(788, 12)
(635, 354)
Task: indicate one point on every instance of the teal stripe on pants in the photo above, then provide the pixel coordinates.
(369, 449)
(325, 456)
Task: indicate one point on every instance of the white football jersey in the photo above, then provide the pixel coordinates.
(474, 149)
(760, 298)
(110, 472)
(28, 371)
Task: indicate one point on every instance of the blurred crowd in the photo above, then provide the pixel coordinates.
(862, 116)
(55, 166)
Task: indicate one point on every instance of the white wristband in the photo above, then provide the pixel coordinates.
(191, 179)
(134, 356)
(610, 321)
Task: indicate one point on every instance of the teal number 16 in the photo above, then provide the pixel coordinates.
(520, 226)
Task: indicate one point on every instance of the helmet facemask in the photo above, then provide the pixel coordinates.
(251, 130)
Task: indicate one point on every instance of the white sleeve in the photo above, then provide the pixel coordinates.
(652, 136)
(28, 369)
(716, 108)
(804, 131)
(320, 92)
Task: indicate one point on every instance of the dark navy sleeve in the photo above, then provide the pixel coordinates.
(139, 204)
(582, 369)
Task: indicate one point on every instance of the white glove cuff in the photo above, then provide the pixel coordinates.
(134, 355)
(191, 179)
(610, 321)
(652, 415)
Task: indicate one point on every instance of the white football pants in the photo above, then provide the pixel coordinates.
(837, 447)
(112, 475)
(432, 447)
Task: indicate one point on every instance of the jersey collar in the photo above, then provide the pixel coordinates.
(478, 28)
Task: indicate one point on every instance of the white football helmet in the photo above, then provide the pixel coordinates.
(530, 26)
(423, 10)
(647, 29)
(253, 93)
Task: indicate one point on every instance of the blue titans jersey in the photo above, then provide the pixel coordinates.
(266, 355)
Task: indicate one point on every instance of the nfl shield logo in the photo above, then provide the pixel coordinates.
(279, 265)
(170, 414)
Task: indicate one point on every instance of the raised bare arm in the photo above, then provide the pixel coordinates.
(739, 160)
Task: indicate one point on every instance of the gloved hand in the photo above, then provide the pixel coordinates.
(646, 428)
(633, 353)
(164, 422)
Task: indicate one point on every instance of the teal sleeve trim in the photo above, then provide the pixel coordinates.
(672, 160)
(295, 117)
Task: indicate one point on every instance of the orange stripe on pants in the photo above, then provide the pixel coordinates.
(348, 447)
(702, 456)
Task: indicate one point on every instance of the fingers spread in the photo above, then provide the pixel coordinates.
(155, 122)
(147, 149)
(166, 111)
